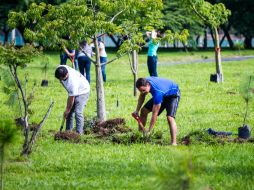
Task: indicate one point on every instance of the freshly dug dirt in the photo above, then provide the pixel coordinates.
(110, 127)
(68, 136)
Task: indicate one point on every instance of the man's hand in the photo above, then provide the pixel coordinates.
(135, 113)
(66, 113)
(69, 105)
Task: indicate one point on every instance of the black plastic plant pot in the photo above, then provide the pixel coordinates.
(216, 78)
(244, 132)
(44, 83)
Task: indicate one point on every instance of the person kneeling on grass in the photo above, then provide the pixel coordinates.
(78, 90)
(165, 95)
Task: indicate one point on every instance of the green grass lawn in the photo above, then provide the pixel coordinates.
(203, 105)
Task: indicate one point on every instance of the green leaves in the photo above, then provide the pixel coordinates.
(170, 36)
(10, 55)
(212, 15)
(7, 132)
(69, 23)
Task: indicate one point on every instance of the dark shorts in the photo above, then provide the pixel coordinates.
(170, 103)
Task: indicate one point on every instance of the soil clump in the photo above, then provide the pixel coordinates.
(68, 136)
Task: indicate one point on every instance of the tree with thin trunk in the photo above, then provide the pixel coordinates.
(212, 16)
(14, 58)
(89, 19)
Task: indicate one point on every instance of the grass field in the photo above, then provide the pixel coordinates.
(203, 105)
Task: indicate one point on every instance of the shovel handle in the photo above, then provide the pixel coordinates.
(62, 124)
(135, 116)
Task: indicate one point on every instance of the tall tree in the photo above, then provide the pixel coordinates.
(17, 5)
(212, 16)
(176, 18)
(88, 19)
(242, 18)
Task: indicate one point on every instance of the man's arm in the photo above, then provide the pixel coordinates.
(148, 34)
(69, 105)
(68, 53)
(141, 100)
(155, 111)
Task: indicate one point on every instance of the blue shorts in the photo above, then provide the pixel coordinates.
(170, 103)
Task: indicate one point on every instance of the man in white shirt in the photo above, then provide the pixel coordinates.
(78, 90)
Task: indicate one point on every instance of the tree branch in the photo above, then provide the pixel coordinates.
(117, 14)
(131, 65)
(28, 150)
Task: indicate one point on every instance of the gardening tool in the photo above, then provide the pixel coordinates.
(72, 58)
(62, 124)
(137, 118)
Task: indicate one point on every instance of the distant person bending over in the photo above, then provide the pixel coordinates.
(65, 55)
(103, 58)
(152, 58)
(165, 95)
(84, 63)
(78, 90)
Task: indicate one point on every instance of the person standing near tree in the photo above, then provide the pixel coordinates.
(103, 58)
(84, 62)
(165, 95)
(152, 58)
(78, 90)
(65, 55)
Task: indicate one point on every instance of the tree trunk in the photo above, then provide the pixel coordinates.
(214, 40)
(28, 150)
(222, 39)
(226, 32)
(247, 42)
(6, 31)
(197, 41)
(13, 71)
(101, 108)
(135, 70)
(218, 57)
(116, 42)
(13, 35)
(205, 39)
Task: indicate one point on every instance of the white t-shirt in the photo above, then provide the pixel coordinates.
(102, 49)
(76, 84)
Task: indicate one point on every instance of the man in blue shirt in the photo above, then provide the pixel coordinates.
(165, 95)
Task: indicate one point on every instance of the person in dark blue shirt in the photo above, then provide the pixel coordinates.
(165, 95)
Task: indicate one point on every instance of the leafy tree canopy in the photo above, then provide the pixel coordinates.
(211, 15)
(177, 18)
(54, 26)
(12, 56)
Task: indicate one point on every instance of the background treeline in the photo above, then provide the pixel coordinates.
(176, 17)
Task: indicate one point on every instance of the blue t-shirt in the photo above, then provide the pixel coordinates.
(152, 48)
(161, 87)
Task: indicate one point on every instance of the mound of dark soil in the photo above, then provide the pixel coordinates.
(68, 136)
(110, 127)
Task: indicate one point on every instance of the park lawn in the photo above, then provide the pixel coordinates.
(62, 165)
